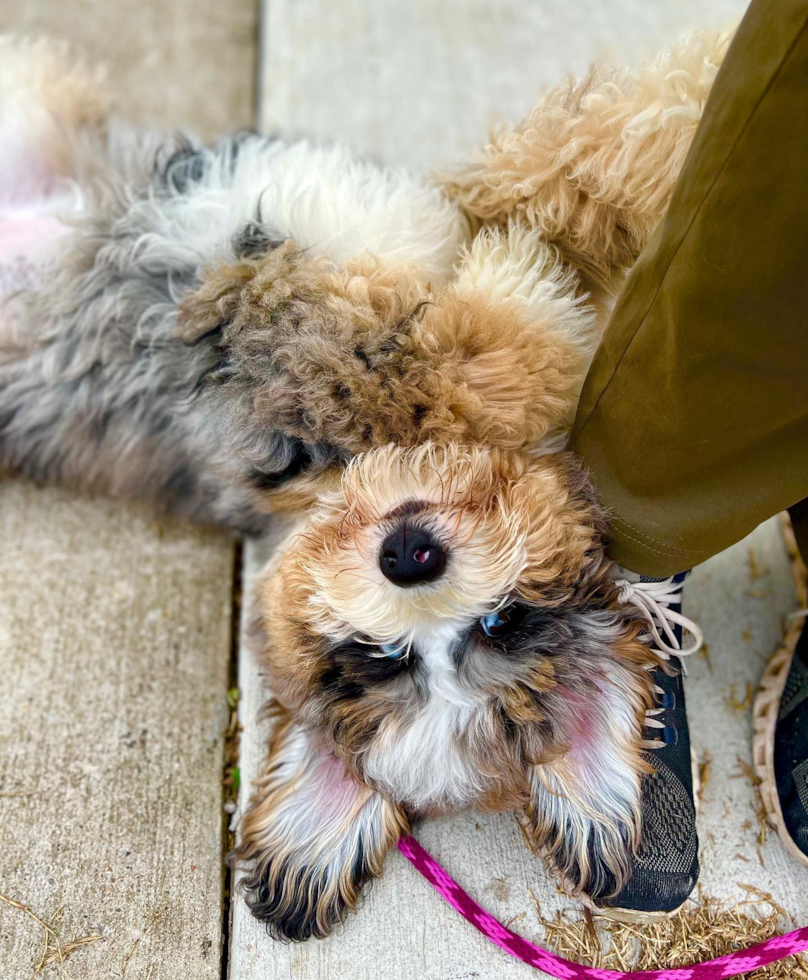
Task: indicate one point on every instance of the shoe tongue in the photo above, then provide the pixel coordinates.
(634, 577)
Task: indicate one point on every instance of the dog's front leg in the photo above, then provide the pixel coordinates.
(312, 836)
(584, 814)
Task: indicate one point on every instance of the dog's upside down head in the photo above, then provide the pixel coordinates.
(444, 632)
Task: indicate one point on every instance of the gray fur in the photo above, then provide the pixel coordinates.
(101, 390)
(102, 394)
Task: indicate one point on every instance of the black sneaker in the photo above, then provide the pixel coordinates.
(780, 746)
(666, 866)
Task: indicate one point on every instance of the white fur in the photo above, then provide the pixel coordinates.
(324, 198)
(517, 265)
(47, 97)
(421, 762)
(328, 817)
(604, 784)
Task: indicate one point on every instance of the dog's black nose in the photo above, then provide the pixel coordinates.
(411, 556)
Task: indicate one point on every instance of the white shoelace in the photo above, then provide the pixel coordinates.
(652, 600)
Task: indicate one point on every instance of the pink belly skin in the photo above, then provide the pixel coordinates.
(28, 236)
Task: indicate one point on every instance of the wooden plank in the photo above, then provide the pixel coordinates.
(115, 629)
(742, 599)
(417, 84)
(114, 640)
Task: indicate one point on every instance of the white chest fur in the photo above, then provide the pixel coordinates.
(422, 762)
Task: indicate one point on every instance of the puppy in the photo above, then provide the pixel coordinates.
(254, 326)
(443, 630)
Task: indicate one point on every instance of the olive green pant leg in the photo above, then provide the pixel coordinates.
(694, 417)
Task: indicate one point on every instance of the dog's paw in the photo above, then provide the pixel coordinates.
(518, 331)
(312, 837)
(48, 99)
(298, 898)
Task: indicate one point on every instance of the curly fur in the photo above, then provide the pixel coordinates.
(254, 325)
(546, 721)
(309, 852)
(361, 356)
(593, 166)
(223, 326)
(552, 728)
(98, 386)
(222, 322)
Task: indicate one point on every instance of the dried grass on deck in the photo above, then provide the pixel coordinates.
(55, 949)
(707, 930)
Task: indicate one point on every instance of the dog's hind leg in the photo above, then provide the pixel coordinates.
(51, 108)
(93, 388)
(593, 166)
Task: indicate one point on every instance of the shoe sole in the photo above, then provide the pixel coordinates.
(766, 708)
(632, 916)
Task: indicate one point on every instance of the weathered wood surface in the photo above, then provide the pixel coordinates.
(418, 84)
(114, 629)
(742, 598)
(114, 641)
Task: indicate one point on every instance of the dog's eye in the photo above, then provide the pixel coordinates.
(395, 651)
(502, 621)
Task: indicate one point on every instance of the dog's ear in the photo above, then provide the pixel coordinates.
(584, 815)
(518, 331)
(312, 837)
(584, 810)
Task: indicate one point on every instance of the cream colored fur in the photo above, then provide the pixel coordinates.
(593, 166)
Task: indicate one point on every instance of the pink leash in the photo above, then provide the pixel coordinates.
(731, 965)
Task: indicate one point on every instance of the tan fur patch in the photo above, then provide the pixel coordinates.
(363, 356)
(594, 164)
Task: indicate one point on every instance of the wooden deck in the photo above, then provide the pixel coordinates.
(116, 632)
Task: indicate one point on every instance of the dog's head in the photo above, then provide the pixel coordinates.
(444, 632)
